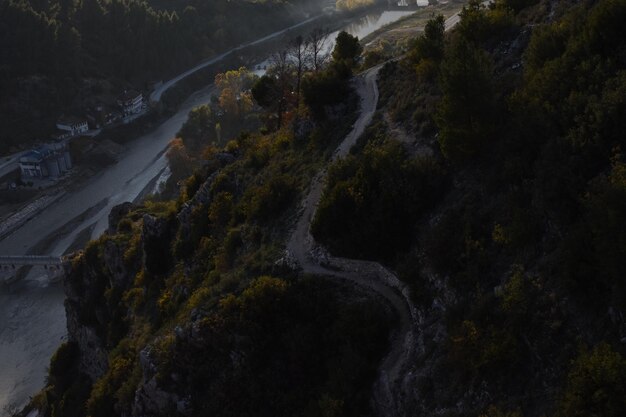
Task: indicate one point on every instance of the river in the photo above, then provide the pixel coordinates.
(32, 316)
(368, 24)
(360, 27)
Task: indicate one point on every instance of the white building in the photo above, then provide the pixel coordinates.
(46, 161)
(73, 125)
(131, 102)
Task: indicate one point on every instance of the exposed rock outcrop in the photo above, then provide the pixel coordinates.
(116, 214)
(81, 326)
(156, 236)
(150, 399)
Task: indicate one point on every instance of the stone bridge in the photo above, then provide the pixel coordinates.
(12, 268)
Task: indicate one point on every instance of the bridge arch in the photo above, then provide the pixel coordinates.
(10, 265)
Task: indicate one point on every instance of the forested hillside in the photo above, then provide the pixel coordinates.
(504, 209)
(186, 308)
(55, 55)
(491, 180)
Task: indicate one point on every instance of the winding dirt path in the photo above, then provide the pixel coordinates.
(371, 275)
(389, 389)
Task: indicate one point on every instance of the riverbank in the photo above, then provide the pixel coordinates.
(410, 26)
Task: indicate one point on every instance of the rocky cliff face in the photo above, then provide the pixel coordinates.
(150, 398)
(95, 280)
(88, 277)
(82, 322)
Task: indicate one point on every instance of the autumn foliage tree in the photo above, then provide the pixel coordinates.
(179, 160)
(234, 87)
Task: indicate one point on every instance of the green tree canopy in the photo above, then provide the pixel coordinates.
(466, 114)
(265, 91)
(199, 129)
(596, 385)
(347, 49)
(430, 45)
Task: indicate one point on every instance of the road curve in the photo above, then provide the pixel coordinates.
(155, 96)
(302, 248)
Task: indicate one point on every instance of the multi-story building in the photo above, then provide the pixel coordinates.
(47, 161)
(130, 102)
(73, 125)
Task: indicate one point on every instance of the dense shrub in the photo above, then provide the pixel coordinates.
(596, 385)
(270, 199)
(292, 343)
(372, 201)
(327, 88)
(466, 114)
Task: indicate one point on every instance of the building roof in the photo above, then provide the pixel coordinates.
(129, 95)
(60, 134)
(70, 120)
(31, 156)
(41, 153)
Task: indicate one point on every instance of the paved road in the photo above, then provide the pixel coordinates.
(452, 21)
(121, 182)
(9, 163)
(155, 96)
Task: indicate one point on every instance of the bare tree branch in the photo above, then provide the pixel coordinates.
(281, 70)
(316, 41)
(297, 52)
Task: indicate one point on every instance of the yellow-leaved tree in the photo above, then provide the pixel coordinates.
(234, 87)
